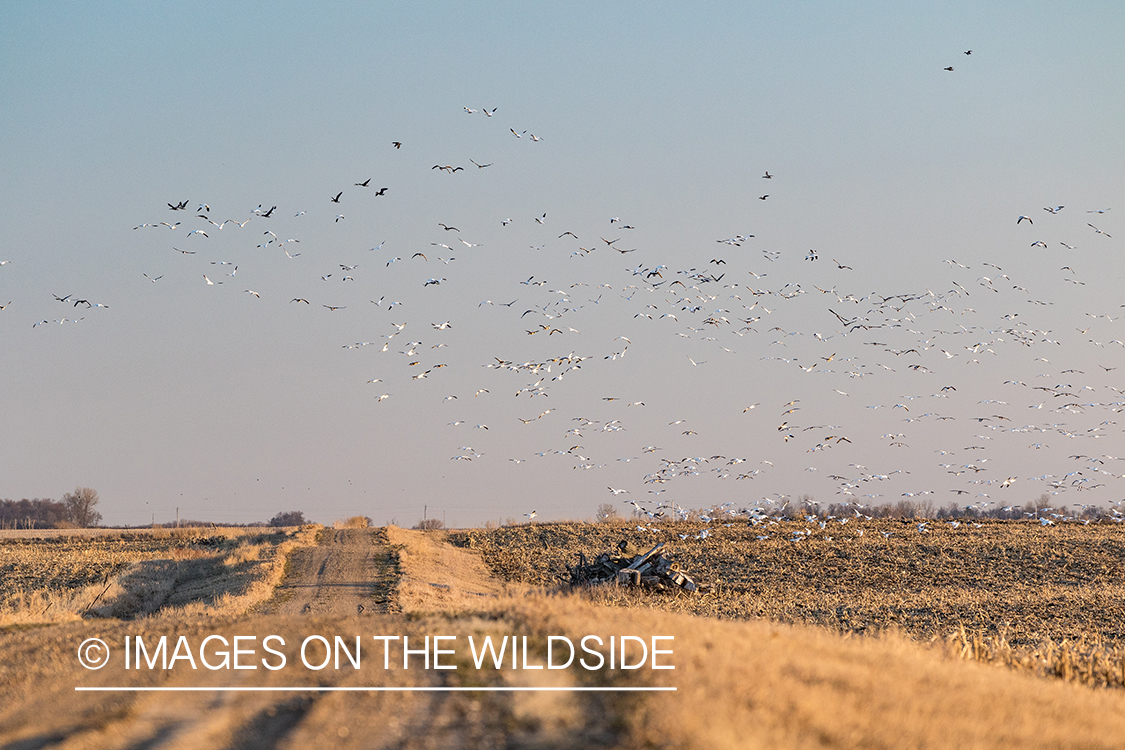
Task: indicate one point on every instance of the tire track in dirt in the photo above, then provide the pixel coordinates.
(349, 571)
(272, 724)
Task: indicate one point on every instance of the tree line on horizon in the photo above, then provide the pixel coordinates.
(76, 509)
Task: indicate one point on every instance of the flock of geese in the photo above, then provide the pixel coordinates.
(919, 346)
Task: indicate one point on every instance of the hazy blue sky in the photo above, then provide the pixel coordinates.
(233, 405)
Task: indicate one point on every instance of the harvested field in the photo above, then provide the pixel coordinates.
(127, 574)
(159, 532)
(738, 684)
(1062, 582)
(1022, 593)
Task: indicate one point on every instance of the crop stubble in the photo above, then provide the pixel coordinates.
(1046, 599)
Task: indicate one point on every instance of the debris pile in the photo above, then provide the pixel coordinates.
(649, 569)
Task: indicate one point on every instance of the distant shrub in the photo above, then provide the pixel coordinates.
(289, 518)
(356, 522)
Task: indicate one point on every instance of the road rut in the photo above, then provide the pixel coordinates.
(349, 571)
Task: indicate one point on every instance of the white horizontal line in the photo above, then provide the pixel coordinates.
(375, 689)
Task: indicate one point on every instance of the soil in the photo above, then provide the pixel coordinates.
(349, 571)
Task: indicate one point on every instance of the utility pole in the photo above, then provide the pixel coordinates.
(177, 516)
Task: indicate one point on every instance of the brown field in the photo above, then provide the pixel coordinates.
(1006, 591)
(1064, 582)
(126, 574)
(159, 532)
(764, 661)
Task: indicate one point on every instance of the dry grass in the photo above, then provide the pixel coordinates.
(755, 684)
(435, 576)
(138, 573)
(159, 532)
(1051, 600)
(758, 684)
(739, 683)
(1091, 662)
(355, 522)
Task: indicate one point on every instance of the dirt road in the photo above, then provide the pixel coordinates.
(349, 571)
(218, 682)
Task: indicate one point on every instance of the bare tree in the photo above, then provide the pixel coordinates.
(607, 512)
(81, 507)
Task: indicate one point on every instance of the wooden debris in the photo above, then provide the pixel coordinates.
(650, 569)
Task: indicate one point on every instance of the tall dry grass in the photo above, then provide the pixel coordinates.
(1091, 662)
(434, 576)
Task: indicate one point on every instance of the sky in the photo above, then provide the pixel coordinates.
(872, 322)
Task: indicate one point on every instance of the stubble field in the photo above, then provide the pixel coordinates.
(1039, 598)
(68, 575)
(887, 627)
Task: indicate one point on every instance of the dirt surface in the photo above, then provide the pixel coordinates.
(739, 684)
(349, 571)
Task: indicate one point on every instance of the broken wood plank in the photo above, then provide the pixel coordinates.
(640, 559)
(627, 577)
